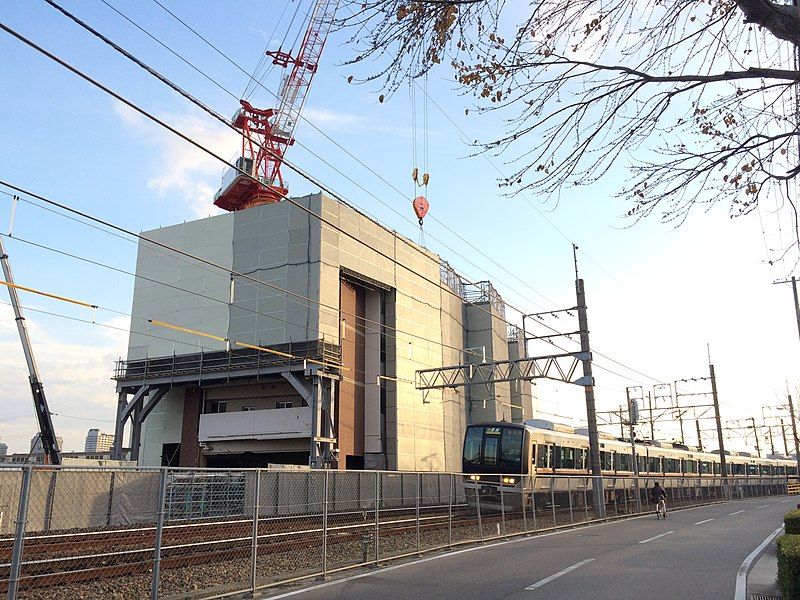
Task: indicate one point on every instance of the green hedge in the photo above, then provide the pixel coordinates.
(789, 566)
(791, 522)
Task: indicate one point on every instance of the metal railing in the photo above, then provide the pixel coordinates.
(169, 533)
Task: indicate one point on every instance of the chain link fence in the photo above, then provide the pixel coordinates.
(178, 533)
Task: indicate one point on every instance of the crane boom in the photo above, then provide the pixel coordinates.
(267, 133)
(46, 430)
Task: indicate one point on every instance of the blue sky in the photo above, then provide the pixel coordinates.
(656, 295)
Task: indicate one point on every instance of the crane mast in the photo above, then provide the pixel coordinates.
(46, 430)
(267, 133)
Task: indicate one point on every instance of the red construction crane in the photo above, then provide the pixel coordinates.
(266, 134)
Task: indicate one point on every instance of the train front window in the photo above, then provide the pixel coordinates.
(490, 444)
(472, 446)
(511, 449)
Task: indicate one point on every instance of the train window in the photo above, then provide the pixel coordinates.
(581, 464)
(511, 449)
(623, 462)
(605, 461)
(705, 467)
(654, 464)
(472, 446)
(567, 458)
(717, 470)
(765, 469)
(673, 465)
(490, 444)
(542, 453)
(752, 469)
(642, 460)
(690, 466)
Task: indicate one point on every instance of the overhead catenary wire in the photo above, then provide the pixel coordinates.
(160, 122)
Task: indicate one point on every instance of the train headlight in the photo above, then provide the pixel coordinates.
(510, 480)
(475, 477)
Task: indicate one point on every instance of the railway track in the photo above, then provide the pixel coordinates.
(69, 558)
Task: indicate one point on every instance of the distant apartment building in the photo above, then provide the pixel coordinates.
(300, 343)
(98, 441)
(38, 448)
(3, 451)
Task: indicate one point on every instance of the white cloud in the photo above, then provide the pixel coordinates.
(181, 170)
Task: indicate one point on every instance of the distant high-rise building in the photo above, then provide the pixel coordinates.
(97, 441)
(3, 451)
(38, 448)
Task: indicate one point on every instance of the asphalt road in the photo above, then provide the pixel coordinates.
(694, 553)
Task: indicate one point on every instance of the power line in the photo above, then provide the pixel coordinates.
(219, 158)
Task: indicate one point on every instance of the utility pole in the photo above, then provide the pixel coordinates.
(699, 437)
(622, 423)
(650, 407)
(755, 435)
(785, 445)
(591, 413)
(794, 433)
(46, 430)
(680, 420)
(722, 462)
(793, 281)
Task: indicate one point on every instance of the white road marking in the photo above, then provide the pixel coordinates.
(701, 522)
(744, 569)
(763, 506)
(655, 537)
(546, 580)
(738, 512)
(784, 501)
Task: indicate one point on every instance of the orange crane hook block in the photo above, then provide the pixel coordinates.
(421, 207)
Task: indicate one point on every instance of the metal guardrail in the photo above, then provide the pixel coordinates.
(182, 533)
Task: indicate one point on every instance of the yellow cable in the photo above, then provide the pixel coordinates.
(54, 296)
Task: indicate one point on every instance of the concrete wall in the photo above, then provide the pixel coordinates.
(485, 329)
(178, 302)
(277, 244)
(283, 246)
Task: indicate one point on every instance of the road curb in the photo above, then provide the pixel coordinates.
(747, 565)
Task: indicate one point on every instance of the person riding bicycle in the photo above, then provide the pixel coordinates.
(659, 495)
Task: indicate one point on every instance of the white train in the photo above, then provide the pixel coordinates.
(505, 455)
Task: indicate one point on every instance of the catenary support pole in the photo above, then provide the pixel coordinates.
(785, 441)
(591, 413)
(699, 436)
(794, 434)
(755, 435)
(720, 440)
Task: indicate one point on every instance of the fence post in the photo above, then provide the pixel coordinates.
(533, 504)
(19, 533)
(586, 497)
(254, 548)
(162, 496)
(450, 511)
(478, 506)
(524, 503)
(419, 485)
(553, 498)
(377, 514)
(325, 526)
(569, 493)
(502, 506)
(110, 506)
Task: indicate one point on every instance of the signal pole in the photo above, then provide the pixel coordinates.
(650, 407)
(699, 437)
(591, 413)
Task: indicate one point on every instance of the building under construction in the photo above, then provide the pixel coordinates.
(291, 332)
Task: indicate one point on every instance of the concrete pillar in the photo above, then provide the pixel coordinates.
(190, 445)
(373, 444)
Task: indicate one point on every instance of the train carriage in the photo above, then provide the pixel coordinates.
(507, 463)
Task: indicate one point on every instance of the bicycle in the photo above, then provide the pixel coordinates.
(661, 509)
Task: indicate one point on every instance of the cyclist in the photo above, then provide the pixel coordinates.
(659, 495)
